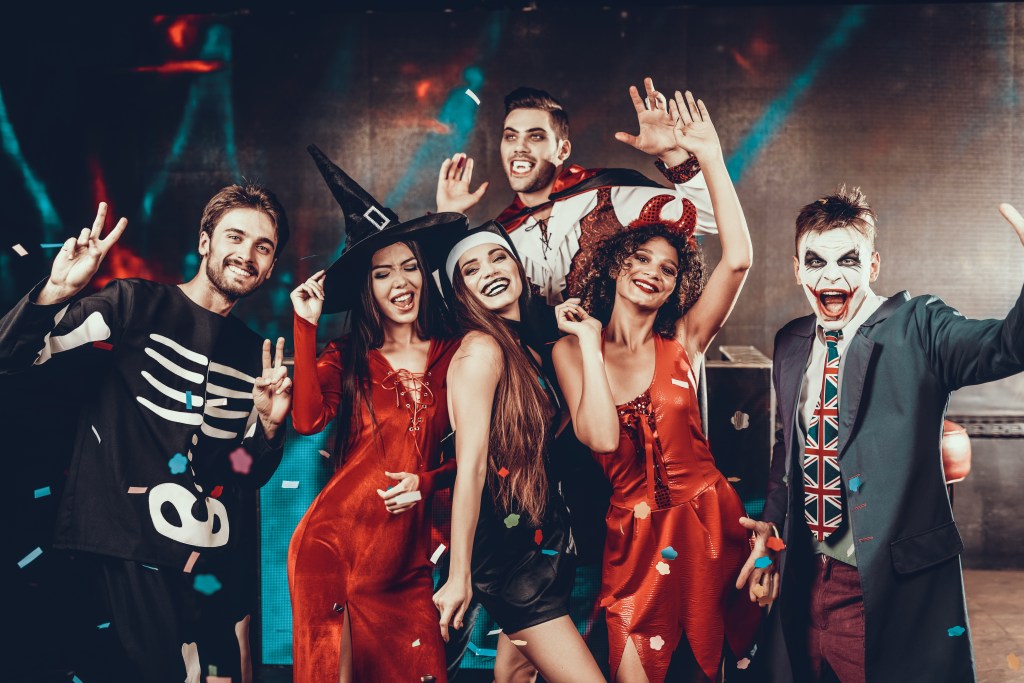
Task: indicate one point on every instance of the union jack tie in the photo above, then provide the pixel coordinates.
(823, 504)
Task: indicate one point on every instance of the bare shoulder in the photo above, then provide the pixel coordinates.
(479, 354)
(566, 348)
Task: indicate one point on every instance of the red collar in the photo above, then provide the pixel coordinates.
(516, 213)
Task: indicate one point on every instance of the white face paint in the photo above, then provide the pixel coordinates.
(170, 508)
(836, 269)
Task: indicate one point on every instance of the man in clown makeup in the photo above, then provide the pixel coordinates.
(857, 539)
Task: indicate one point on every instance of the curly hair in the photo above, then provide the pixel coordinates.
(597, 289)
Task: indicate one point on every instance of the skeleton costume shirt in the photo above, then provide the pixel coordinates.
(168, 439)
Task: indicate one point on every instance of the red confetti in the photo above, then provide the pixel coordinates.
(503, 473)
(538, 536)
(775, 543)
(103, 345)
(217, 490)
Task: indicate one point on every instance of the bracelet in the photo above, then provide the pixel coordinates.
(680, 174)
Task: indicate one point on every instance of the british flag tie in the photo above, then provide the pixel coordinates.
(823, 504)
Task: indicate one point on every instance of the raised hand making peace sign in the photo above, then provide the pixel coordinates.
(79, 260)
(272, 392)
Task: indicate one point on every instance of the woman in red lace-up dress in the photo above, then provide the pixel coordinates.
(674, 545)
(359, 562)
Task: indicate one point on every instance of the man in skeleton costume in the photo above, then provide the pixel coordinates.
(181, 419)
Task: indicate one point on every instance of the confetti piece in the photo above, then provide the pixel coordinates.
(28, 558)
(472, 96)
(494, 632)
(41, 493)
(76, 679)
(191, 562)
(642, 510)
(217, 490)
(339, 608)
(849, 551)
(759, 590)
(106, 346)
(98, 439)
(308, 257)
(855, 484)
(137, 489)
(289, 484)
(416, 643)
(657, 642)
(241, 461)
(147, 566)
(669, 553)
(503, 472)
(680, 383)
(733, 480)
(207, 584)
(20, 250)
(956, 631)
(437, 554)
(51, 245)
(775, 543)
(518, 643)
(188, 400)
(538, 536)
(548, 551)
(481, 651)
(1014, 661)
(662, 568)
(740, 420)
(324, 453)
(743, 663)
(763, 562)
(407, 497)
(511, 520)
(178, 464)
(218, 679)
(215, 402)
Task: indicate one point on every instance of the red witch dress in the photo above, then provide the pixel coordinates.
(664, 466)
(348, 552)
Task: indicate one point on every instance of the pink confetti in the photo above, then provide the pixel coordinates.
(191, 562)
(241, 461)
(137, 489)
(743, 663)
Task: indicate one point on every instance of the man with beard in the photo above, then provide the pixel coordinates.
(180, 419)
(869, 581)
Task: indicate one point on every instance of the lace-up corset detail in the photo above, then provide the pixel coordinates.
(412, 390)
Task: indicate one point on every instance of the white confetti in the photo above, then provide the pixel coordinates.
(680, 383)
(437, 554)
(416, 643)
(98, 439)
(518, 643)
(662, 568)
(657, 642)
(214, 402)
(289, 484)
(494, 632)
(21, 251)
(472, 96)
(407, 497)
(849, 551)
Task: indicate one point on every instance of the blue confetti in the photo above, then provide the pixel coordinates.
(188, 400)
(28, 558)
(178, 464)
(207, 584)
(43, 492)
(481, 651)
(156, 569)
(104, 625)
(548, 551)
(855, 484)
(76, 679)
(956, 631)
(669, 553)
(763, 562)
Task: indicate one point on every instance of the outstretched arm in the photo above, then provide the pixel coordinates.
(472, 380)
(453, 185)
(702, 322)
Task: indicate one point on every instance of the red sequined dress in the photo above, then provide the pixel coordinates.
(668, 497)
(348, 552)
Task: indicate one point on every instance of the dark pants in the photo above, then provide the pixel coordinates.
(835, 636)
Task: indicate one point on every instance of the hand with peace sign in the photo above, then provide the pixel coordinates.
(79, 260)
(272, 392)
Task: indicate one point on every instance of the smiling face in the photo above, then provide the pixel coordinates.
(239, 254)
(531, 152)
(396, 282)
(649, 276)
(835, 268)
(491, 275)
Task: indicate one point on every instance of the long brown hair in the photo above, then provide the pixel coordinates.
(520, 411)
(366, 332)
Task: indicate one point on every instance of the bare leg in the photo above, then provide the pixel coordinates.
(558, 651)
(511, 665)
(630, 668)
(242, 633)
(345, 665)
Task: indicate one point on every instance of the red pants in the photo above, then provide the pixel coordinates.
(835, 637)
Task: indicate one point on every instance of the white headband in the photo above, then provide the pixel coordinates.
(467, 243)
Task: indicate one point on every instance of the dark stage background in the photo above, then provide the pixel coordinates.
(917, 104)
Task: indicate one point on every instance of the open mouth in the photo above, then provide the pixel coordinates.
(241, 271)
(833, 302)
(520, 167)
(645, 286)
(403, 302)
(495, 287)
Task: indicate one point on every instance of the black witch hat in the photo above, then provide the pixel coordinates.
(369, 226)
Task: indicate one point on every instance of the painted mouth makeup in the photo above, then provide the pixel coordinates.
(495, 287)
(833, 303)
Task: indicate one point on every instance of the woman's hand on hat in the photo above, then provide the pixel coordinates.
(453, 185)
(308, 298)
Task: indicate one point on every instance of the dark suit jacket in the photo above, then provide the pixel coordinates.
(899, 370)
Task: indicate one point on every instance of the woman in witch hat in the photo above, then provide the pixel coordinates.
(511, 545)
(358, 565)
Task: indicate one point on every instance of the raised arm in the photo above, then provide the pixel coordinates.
(453, 185)
(317, 380)
(579, 365)
(702, 322)
(472, 380)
